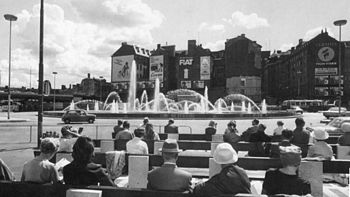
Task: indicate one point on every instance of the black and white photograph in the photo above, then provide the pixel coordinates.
(185, 98)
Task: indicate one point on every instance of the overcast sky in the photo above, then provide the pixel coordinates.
(81, 35)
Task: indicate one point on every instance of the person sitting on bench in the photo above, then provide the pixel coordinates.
(150, 134)
(40, 169)
(320, 149)
(344, 139)
(136, 145)
(170, 127)
(117, 128)
(82, 171)
(67, 139)
(285, 180)
(168, 176)
(124, 134)
(210, 130)
(231, 179)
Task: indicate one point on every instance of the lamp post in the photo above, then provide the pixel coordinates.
(339, 23)
(54, 90)
(10, 18)
(101, 77)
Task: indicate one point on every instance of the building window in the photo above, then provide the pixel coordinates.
(185, 73)
(243, 82)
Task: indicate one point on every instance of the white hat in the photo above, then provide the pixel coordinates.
(345, 127)
(320, 133)
(225, 154)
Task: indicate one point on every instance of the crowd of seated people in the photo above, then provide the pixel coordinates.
(230, 180)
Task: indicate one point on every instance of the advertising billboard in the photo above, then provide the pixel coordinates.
(321, 80)
(321, 91)
(326, 54)
(205, 68)
(121, 67)
(156, 67)
(198, 84)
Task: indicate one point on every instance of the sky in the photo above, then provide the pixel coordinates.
(81, 35)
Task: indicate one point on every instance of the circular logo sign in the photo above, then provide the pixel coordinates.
(326, 54)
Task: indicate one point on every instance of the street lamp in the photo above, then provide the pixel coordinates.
(339, 23)
(54, 90)
(10, 18)
(101, 77)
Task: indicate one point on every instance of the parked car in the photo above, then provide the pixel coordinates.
(334, 126)
(78, 115)
(334, 112)
(296, 109)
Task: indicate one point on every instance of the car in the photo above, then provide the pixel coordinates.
(78, 115)
(334, 126)
(334, 112)
(295, 109)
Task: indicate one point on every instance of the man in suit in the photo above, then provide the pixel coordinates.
(170, 127)
(168, 177)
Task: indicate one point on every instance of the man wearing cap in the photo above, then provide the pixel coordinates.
(344, 140)
(231, 179)
(301, 136)
(320, 149)
(170, 127)
(168, 177)
(285, 180)
(136, 145)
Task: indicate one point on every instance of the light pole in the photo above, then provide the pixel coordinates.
(339, 23)
(10, 18)
(54, 90)
(101, 77)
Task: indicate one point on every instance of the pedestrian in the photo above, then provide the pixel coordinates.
(231, 179)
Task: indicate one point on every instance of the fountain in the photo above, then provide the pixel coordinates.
(185, 103)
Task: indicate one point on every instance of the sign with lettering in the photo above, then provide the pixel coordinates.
(185, 61)
(326, 71)
(326, 55)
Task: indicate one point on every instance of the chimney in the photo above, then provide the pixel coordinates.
(191, 45)
(88, 75)
(158, 46)
(243, 35)
(300, 41)
(279, 51)
(124, 43)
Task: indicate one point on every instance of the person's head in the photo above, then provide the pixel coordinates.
(261, 128)
(48, 147)
(83, 150)
(119, 122)
(232, 123)
(224, 154)
(65, 131)
(299, 122)
(290, 156)
(320, 134)
(139, 132)
(145, 120)
(126, 125)
(287, 134)
(255, 122)
(171, 121)
(212, 123)
(345, 127)
(170, 150)
(280, 123)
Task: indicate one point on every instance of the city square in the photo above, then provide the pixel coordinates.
(186, 98)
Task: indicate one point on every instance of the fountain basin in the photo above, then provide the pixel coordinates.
(165, 115)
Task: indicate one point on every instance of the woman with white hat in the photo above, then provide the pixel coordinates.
(231, 180)
(320, 149)
(344, 140)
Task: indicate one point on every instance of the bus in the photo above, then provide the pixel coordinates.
(307, 105)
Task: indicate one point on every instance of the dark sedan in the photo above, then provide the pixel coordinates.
(78, 115)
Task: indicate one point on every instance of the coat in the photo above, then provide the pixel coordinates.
(169, 177)
(170, 128)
